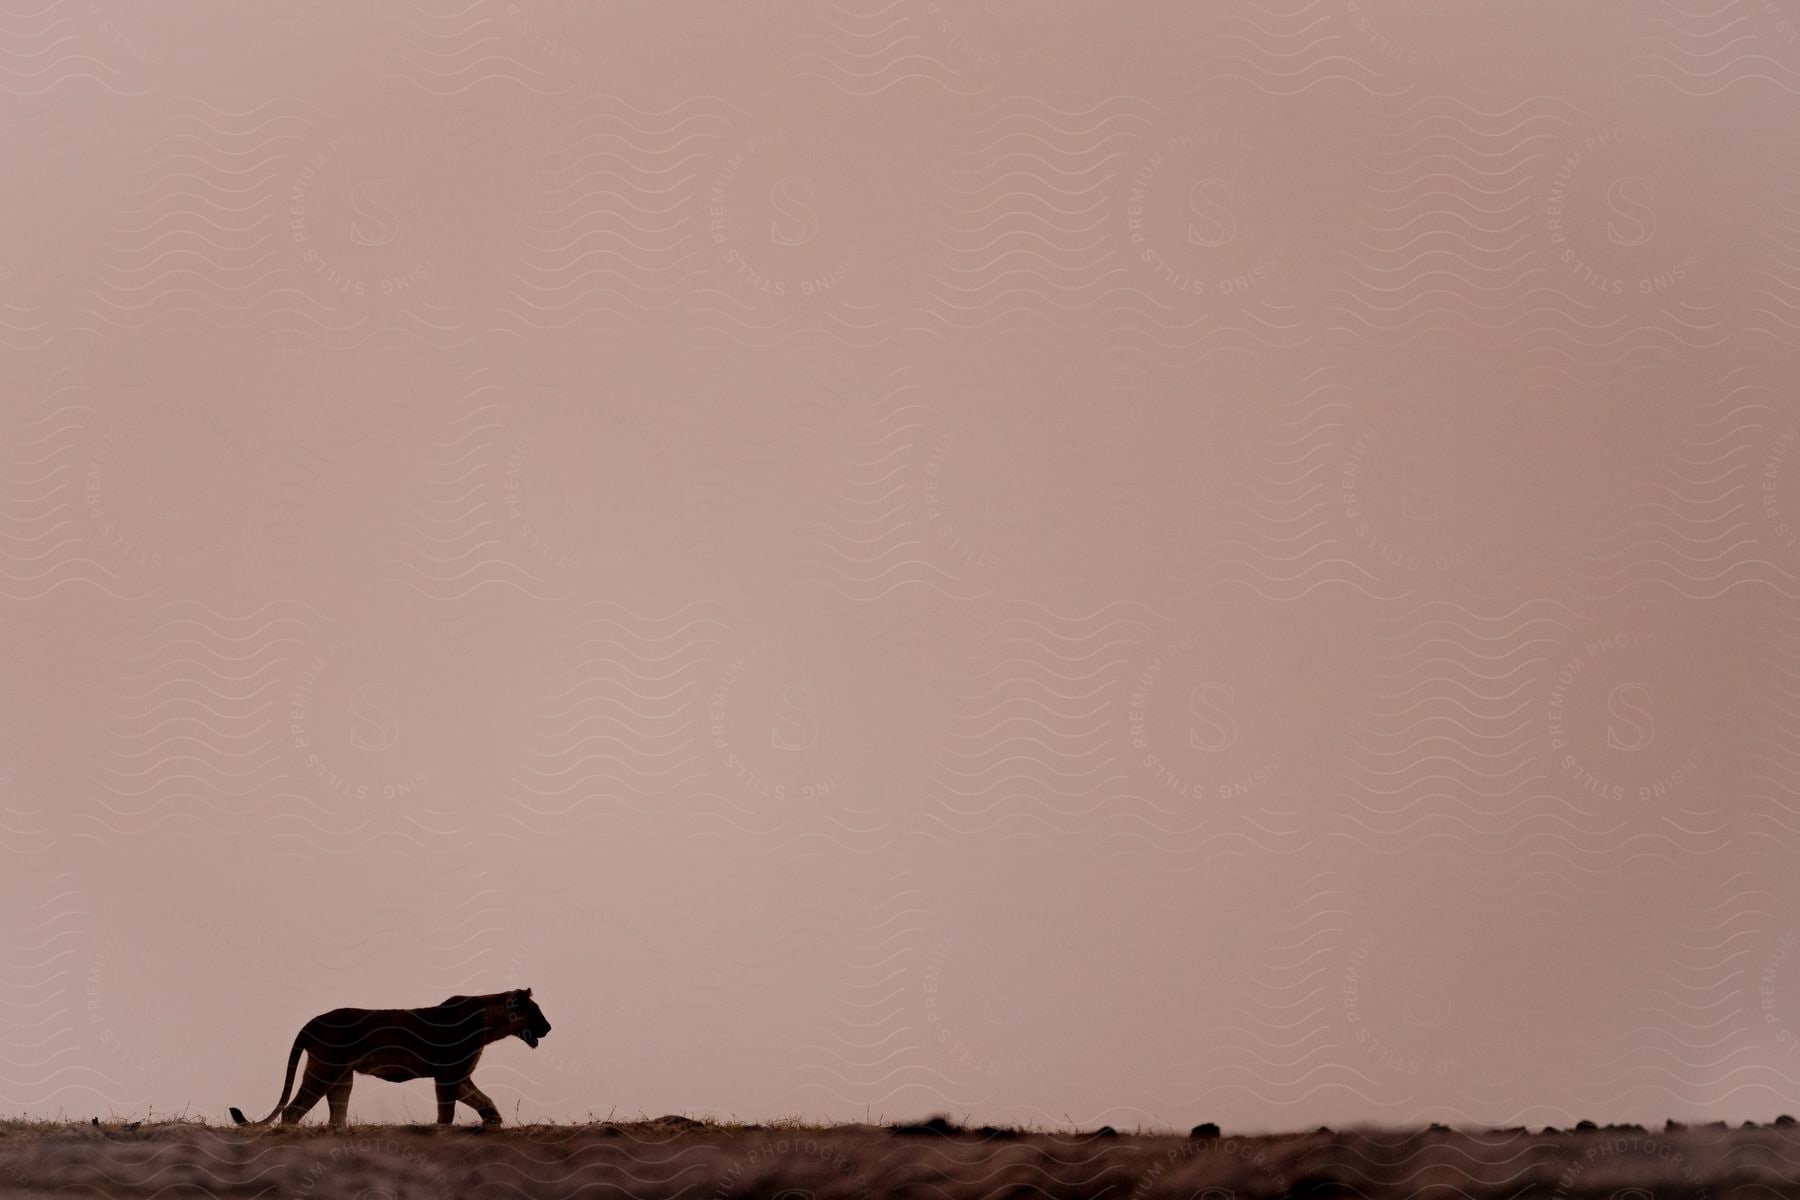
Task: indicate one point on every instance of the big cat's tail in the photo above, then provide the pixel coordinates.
(287, 1085)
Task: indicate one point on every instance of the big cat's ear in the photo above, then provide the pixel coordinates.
(528, 993)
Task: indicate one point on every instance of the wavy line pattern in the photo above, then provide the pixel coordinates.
(1148, 564)
(450, 543)
(46, 1059)
(1027, 745)
(1447, 734)
(1770, 747)
(451, 50)
(866, 1045)
(42, 547)
(1279, 50)
(1772, 284)
(616, 732)
(873, 535)
(613, 234)
(1693, 529)
(1274, 1040)
(194, 723)
(1703, 50)
(1709, 1023)
(1444, 240)
(1504, 738)
(199, 241)
(1027, 230)
(862, 48)
(53, 48)
(1274, 534)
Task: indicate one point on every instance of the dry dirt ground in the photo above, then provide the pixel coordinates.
(672, 1158)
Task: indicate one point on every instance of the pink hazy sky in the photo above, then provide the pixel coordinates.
(1133, 564)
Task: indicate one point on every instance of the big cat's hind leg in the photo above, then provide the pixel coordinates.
(446, 1101)
(337, 1098)
(316, 1082)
